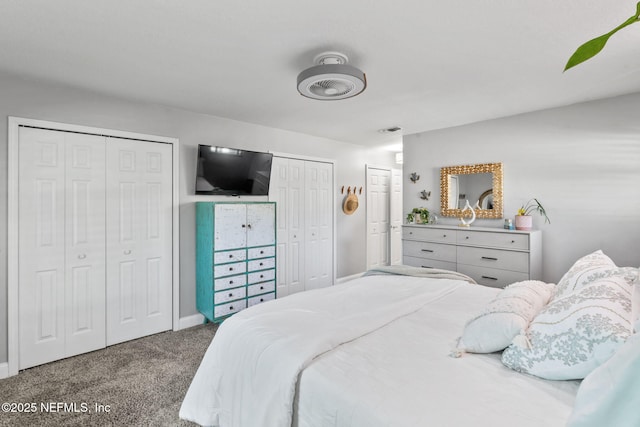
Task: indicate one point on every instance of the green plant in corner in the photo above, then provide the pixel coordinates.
(534, 205)
(593, 47)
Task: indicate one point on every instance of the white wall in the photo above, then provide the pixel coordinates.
(37, 100)
(582, 162)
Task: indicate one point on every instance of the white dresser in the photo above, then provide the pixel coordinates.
(491, 256)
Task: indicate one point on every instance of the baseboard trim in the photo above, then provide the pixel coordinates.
(348, 278)
(190, 321)
(4, 370)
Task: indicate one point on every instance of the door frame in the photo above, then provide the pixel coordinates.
(13, 178)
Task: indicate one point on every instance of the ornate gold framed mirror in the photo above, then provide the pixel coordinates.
(480, 184)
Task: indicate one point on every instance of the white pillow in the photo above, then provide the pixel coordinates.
(584, 271)
(610, 395)
(575, 334)
(505, 317)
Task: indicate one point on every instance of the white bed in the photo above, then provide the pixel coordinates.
(374, 351)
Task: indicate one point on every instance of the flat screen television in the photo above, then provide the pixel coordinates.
(232, 172)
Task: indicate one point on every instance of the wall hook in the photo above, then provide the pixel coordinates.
(342, 191)
(424, 194)
(414, 177)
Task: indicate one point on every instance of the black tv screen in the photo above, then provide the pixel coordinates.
(232, 172)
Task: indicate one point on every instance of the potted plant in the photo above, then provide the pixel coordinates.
(524, 220)
(410, 218)
(421, 215)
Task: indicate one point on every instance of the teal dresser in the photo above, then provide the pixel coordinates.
(235, 256)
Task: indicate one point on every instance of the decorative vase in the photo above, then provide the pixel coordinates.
(524, 222)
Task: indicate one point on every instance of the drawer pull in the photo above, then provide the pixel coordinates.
(489, 258)
(467, 238)
(261, 264)
(425, 266)
(444, 235)
(261, 252)
(513, 241)
(426, 250)
(230, 256)
(261, 288)
(489, 278)
(230, 268)
(230, 294)
(230, 307)
(262, 276)
(231, 282)
(261, 299)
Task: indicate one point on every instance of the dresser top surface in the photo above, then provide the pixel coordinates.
(483, 229)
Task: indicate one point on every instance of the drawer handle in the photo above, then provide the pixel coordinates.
(261, 299)
(261, 264)
(489, 258)
(513, 241)
(261, 252)
(426, 250)
(230, 268)
(444, 235)
(231, 282)
(261, 288)
(489, 278)
(230, 294)
(467, 237)
(230, 307)
(425, 266)
(230, 256)
(261, 276)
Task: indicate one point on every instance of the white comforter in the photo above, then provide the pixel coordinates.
(371, 352)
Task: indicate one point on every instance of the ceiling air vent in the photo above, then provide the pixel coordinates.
(332, 78)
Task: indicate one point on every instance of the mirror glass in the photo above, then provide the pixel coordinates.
(481, 184)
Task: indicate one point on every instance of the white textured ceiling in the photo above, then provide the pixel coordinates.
(429, 64)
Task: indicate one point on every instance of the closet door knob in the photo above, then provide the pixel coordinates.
(82, 256)
(127, 252)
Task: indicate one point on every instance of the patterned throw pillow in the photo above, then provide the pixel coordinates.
(576, 333)
(586, 270)
(505, 317)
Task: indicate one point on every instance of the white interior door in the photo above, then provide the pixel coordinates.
(61, 245)
(395, 245)
(139, 239)
(378, 216)
(318, 225)
(287, 190)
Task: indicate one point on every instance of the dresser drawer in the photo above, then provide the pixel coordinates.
(491, 276)
(261, 264)
(494, 258)
(229, 308)
(229, 295)
(261, 288)
(229, 269)
(504, 240)
(428, 263)
(429, 250)
(263, 252)
(229, 256)
(430, 234)
(260, 299)
(261, 276)
(229, 282)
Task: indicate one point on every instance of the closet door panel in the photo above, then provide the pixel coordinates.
(139, 239)
(278, 192)
(296, 233)
(319, 225)
(41, 248)
(84, 243)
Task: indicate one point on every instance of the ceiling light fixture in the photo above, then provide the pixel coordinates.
(332, 78)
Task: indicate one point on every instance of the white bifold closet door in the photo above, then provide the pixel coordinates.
(303, 192)
(139, 239)
(95, 242)
(62, 245)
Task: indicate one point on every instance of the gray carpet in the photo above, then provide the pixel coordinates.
(143, 382)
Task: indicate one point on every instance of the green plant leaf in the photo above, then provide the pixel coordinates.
(593, 47)
(587, 50)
